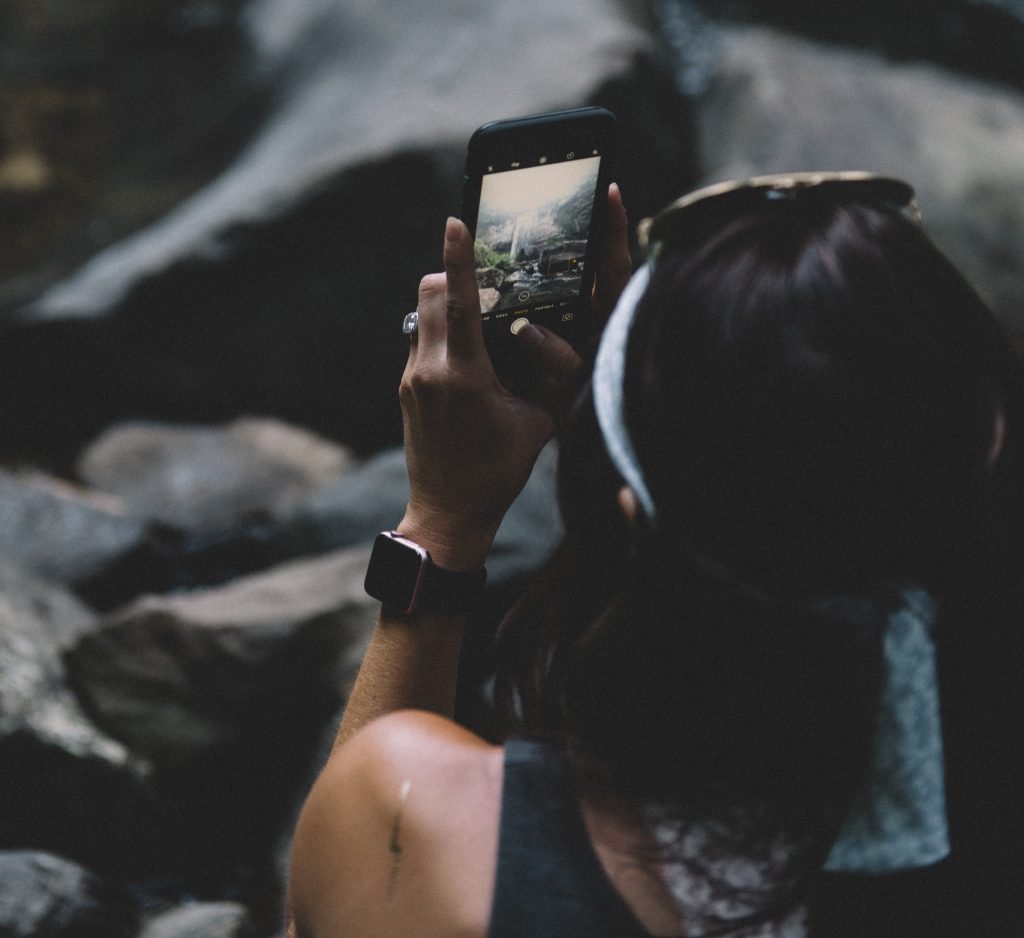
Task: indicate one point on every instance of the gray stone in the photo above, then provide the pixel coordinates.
(209, 479)
(360, 79)
(784, 104)
(60, 531)
(200, 920)
(178, 677)
(65, 785)
(48, 897)
(38, 622)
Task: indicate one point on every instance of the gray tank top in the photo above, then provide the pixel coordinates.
(550, 883)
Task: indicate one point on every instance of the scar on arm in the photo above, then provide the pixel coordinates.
(395, 845)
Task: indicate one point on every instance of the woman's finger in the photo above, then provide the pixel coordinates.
(614, 265)
(431, 333)
(555, 357)
(465, 338)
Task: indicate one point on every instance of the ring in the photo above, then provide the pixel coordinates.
(411, 325)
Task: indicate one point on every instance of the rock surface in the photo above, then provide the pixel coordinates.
(44, 896)
(179, 677)
(784, 104)
(279, 287)
(201, 920)
(60, 531)
(205, 480)
(37, 623)
(64, 784)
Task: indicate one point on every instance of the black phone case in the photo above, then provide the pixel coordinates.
(521, 143)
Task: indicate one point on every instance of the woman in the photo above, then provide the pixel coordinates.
(770, 677)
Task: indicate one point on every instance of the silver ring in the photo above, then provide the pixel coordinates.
(411, 325)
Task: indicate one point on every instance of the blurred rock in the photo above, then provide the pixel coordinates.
(984, 38)
(179, 677)
(209, 479)
(60, 531)
(201, 920)
(348, 512)
(87, 157)
(279, 287)
(44, 896)
(784, 104)
(64, 784)
(37, 623)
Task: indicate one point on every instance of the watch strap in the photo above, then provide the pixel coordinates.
(449, 590)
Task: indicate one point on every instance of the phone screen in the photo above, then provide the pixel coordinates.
(532, 234)
(535, 197)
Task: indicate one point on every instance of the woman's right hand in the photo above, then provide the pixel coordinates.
(470, 443)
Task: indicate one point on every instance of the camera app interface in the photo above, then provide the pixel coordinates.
(531, 235)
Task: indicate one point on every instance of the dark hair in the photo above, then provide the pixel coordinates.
(811, 392)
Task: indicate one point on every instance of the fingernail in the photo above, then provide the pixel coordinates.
(452, 229)
(530, 336)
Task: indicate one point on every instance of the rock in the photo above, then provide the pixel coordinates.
(79, 87)
(201, 920)
(64, 784)
(785, 104)
(37, 623)
(180, 677)
(279, 287)
(984, 38)
(205, 480)
(45, 896)
(61, 531)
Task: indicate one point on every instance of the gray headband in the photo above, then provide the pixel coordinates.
(898, 819)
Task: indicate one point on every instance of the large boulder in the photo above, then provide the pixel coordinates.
(241, 507)
(227, 691)
(209, 480)
(784, 104)
(278, 288)
(64, 784)
(61, 531)
(179, 677)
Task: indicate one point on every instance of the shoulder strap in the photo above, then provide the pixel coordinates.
(549, 880)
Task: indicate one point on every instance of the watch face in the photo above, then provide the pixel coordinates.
(393, 575)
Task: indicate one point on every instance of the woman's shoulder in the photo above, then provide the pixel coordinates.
(399, 834)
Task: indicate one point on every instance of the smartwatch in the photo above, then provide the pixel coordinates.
(404, 578)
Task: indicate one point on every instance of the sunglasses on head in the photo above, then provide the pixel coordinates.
(728, 199)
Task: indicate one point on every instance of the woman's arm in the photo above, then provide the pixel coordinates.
(470, 447)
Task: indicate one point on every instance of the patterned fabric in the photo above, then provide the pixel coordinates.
(898, 821)
(716, 888)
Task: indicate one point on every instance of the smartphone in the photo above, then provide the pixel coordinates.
(535, 200)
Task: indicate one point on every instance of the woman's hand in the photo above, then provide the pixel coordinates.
(470, 445)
